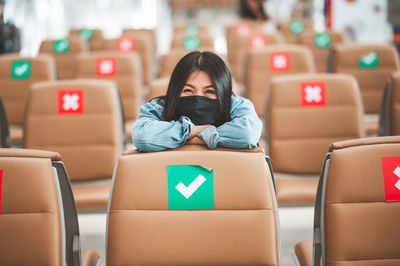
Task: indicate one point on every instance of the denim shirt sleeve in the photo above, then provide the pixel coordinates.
(150, 133)
(243, 131)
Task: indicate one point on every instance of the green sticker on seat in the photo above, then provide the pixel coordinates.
(322, 40)
(191, 43)
(296, 27)
(369, 60)
(21, 69)
(86, 34)
(190, 187)
(61, 46)
(192, 29)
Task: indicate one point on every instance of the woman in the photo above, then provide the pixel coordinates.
(199, 108)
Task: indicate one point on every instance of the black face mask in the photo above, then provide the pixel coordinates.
(200, 109)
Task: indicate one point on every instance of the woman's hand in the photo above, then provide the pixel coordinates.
(196, 130)
(196, 141)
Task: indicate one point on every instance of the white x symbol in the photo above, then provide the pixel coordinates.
(397, 173)
(313, 93)
(70, 101)
(280, 61)
(125, 45)
(258, 42)
(106, 67)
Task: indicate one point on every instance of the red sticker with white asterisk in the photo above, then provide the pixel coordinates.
(257, 41)
(70, 102)
(312, 94)
(243, 28)
(1, 184)
(391, 177)
(279, 61)
(126, 44)
(106, 67)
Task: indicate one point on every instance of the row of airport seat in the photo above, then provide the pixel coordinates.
(152, 218)
(83, 121)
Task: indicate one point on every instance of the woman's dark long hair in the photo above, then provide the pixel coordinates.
(219, 74)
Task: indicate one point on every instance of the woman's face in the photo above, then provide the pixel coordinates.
(200, 84)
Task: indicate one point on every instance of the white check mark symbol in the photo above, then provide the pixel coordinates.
(187, 191)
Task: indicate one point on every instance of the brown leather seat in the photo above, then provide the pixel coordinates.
(151, 33)
(246, 42)
(264, 63)
(17, 74)
(80, 119)
(38, 220)
(94, 37)
(190, 29)
(355, 221)
(182, 41)
(389, 122)
(292, 32)
(307, 112)
(353, 59)
(150, 222)
(65, 52)
(158, 88)
(320, 44)
(142, 45)
(4, 128)
(125, 69)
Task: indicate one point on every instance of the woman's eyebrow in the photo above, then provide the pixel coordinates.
(209, 86)
(190, 85)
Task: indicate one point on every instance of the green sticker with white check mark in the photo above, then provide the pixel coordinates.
(21, 69)
(190, 187)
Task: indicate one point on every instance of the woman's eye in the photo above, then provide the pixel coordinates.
(210, 92)
(187, 90)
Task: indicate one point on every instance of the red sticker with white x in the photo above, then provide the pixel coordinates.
(279, 61)
(106, 67)
(257, 41)
(126, 44)
(1, 184)
(70, 102)
(243, 28)
(391, 177)
(312, 94)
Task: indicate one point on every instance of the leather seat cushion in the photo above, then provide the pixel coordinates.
(304, 251)
(91, 197)
(296, 191)
(16, 133)
(89, 257)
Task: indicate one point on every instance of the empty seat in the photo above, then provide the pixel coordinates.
(65, 52)
(38, 219)
(293, 30)
(307, 112)
(81, 120)
(191, 206)
(16, 75)
(320, 44)
(355, 219)
(389, 117)
(4, 130)
(195, 42)
(246, 42)
(264, 63)
(125, 69)
(158, 88)
(141, 45)
(94, 37)
(151, 33)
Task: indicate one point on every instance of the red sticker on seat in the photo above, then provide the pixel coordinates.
(70, 102)
(391, 177)
(312, 94)
(1, 183)
(126, 44)
(243, 28)
(257, 41)
(106, 67)
(279, 61)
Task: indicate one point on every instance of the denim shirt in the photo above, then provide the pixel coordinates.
(150, 133)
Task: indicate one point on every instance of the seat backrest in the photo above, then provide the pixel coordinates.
(150, 33)
(320, 44)
(4, 129)
(176, 203)
(191, 43)
(244, 43)
(370, 64)
(190, 29)
(94, 37)
(264, 63)
(81, 120)
(306, 113)
(65, 52)
(123, 68)
(293, 30)
(158, 88)
(389, 122)
(31, 215)
(17, 74)
(140, 44)
(357, 208)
